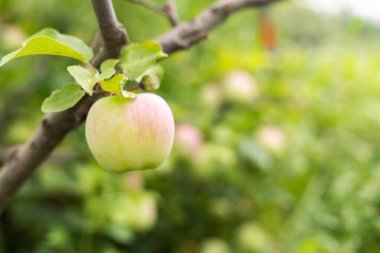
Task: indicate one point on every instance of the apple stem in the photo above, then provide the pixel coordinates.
(135, 87)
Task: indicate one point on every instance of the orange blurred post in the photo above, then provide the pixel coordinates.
(268, 33)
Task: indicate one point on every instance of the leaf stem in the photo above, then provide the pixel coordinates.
(91, 68)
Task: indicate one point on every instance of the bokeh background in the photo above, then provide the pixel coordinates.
(277, 143)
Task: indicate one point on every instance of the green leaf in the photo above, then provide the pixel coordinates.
(128, 94)
(156, 69)
(62, 99)
(51, 42)
(71, 41)
(138, 58)
(125, 93)
(108, 64)
(114, 84)
(84, 77)
(106, 74)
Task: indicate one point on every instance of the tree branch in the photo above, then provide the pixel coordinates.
(168, 10)
(114, 35)
(187, 34)
(54, 127)
(3, 153)
(150, 5)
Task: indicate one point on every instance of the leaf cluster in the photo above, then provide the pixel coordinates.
(137, 64)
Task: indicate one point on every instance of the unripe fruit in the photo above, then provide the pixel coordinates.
(240, 87)
(188, 139)
(214, 245)
(211, 96)
(150, 82)
(272, 138)
(127, 134)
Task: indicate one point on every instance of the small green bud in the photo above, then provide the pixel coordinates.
(150, 82)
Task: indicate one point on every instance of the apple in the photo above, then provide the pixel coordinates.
(136, 210)
(188, 139)
(211, 96)
(12, 36)
(272, 138)
(127, 134)
(240, 87)
(251, 237)
(214, 245)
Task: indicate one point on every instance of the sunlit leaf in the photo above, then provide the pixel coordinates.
(106, 74)
(108, 64)
(84, 77)
(125, 93)
(51, 42)
(138, 58)
(114, 84)
(62, 99)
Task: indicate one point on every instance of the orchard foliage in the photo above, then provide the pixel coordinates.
(136, 61)
(291, 167)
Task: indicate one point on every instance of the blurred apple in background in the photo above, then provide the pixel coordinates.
(272, 137)
(188, 139)
(214, 245)
(221, 207)
(11, 36)
(211, 96)
(240, 87)
(252, 238)
(137, 211)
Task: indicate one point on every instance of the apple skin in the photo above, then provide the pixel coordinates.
(127, 134)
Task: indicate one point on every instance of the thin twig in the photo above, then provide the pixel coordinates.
(168, 10)
(150, 5)
(96, 42)
(172, 12)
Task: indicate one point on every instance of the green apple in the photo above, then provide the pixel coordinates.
(136, 210)
(214, 245)
(211, 96)
(127, 134)
(251, 237)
